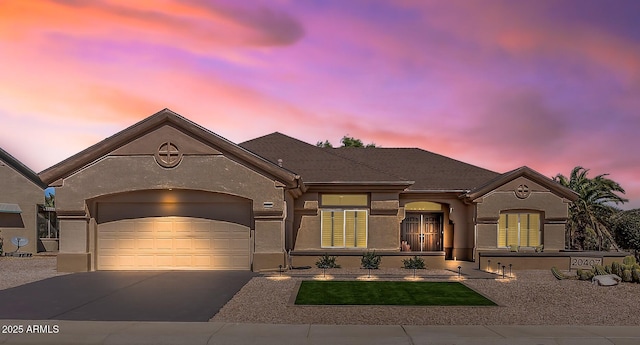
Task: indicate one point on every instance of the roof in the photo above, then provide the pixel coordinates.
(419, 169)
(21, 168)
(161, 118)
(430, 171)
(315, 164)
(529, 174)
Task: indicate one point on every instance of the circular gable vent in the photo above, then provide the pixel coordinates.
(168, 155)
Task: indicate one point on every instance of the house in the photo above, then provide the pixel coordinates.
(21, 191)
(167, 193)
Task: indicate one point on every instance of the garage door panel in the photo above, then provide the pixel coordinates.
(221, 244)
(163, 243)
(144, 244)
(197, 226)
(238, 244)
(172, 243)
(203, 261)
(109, 243)
(203, 244)
(182, 243)
(144, 261)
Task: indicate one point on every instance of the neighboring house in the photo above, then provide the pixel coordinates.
(167, 193)
(21, 193)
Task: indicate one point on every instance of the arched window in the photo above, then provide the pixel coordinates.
(520, 229)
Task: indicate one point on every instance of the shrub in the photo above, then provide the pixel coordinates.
(371, 260)
(635, 275)
(629, 260)
(327, 261)
(414, 263)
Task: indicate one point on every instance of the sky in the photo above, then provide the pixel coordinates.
(499, 84)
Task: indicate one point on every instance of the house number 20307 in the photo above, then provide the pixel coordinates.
(582, 262)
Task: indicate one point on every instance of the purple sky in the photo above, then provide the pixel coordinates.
(499, 84)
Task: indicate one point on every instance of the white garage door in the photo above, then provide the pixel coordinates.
(174, 243)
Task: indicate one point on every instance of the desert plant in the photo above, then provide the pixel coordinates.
(629, 260)
(607, 269)
(557, 273)
(416, 263)
(635, 275)
(616, 268)
(327, 261)
(371, 260)
(599, 270)
(627, 276)
(585, 274)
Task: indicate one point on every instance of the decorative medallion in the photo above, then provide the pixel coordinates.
(523, 191)
(168, 155)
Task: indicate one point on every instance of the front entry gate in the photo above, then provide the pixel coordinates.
(422, 231)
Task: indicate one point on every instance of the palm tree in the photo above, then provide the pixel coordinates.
(588, 224)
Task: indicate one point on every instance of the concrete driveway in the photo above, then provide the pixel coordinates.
(124, 296)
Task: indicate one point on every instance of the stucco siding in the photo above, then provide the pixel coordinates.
(553, 237)
(17, 189)
(73, 236)
(384, 233)
(554, 207)
(117, 174)
(269, 237)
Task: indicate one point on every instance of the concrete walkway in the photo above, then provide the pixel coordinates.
(93, 332)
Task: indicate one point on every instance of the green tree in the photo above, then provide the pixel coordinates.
(589, 223)
(50, 200)
(346, 141)
(626, 228)
(326, 143)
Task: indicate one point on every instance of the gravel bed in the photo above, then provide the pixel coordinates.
(532, 298)
(18, 271)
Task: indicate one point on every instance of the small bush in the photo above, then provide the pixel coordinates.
(371, 260)
(415, 262)
(327, 261)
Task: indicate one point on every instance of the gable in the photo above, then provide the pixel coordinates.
(166, 128)
(524, 176)
(149, 143)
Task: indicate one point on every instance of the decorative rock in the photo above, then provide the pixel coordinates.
(606, 280)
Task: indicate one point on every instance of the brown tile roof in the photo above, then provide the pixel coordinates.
(430, 171)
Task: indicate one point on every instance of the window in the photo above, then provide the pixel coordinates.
(344, 200)
(47, 222)
(519, 229)
(344, 220)
(344, 228)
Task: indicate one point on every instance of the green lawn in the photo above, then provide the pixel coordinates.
(388, 293)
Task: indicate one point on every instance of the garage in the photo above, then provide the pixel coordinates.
(168, 194)
(173, 243)
(173, 230)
